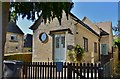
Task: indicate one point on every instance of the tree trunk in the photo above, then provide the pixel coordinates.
(4, 15)
(118, 53)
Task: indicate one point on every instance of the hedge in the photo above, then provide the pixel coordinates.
(25, 57)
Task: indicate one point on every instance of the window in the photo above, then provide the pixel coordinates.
(43, 37)
(95, 47)
(85, 44)
(104, 49)
(13, 38)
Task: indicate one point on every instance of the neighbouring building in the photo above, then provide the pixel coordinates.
(106, 41)
(51, 40)
(28, 43)
(14, 39)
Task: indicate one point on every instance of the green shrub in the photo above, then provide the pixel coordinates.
(79, 50)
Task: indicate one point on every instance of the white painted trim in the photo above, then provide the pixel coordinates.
(66, 36)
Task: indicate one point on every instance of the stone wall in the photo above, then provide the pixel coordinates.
(14, 46)
(89, 56)
(44, 51)
(115, 55)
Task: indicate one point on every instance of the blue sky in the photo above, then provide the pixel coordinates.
(95, 11)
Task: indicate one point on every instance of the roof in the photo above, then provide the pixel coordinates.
(91, 24)
(28, 40)
(102, 33)
(106, 26)
(12, 27)
(85, 25)
(37, 23)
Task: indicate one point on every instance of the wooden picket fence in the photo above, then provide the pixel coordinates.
(51, 70)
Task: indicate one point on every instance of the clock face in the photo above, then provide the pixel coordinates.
(43, 37)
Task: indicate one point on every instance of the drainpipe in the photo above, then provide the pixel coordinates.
(99, 47)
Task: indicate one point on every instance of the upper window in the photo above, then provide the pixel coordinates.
(85, 44)
(13, 37)
(43, 37)
(95, 47)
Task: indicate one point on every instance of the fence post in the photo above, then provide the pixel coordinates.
(69, 74)
(100, 71)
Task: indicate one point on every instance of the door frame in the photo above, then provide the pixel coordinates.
(53, 46)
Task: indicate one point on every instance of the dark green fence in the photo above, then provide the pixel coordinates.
(51, 70)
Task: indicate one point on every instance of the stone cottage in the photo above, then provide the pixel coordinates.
(14, 39)
(105, 40)
(51, 40)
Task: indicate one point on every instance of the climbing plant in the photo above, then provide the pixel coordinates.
(76, 54)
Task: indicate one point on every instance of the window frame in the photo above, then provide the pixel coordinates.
(46, 37)
(95, 47)
(85, 44)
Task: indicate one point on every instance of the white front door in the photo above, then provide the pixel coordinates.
(59, 48)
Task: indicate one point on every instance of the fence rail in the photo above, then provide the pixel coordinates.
(51, 70)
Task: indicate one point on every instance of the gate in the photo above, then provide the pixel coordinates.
(50, 70)
(108, 69)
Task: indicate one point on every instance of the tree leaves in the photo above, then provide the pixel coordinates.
(49, 10)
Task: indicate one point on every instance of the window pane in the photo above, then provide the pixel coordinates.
(43, 37)
(85, 44)
(57, 42)
(13, 37)
(63, 41)
(95, 47)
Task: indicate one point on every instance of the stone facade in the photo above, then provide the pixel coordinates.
(90, 55)
(14, 46)
(107, 26)
(44, 51)
(79, 29)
